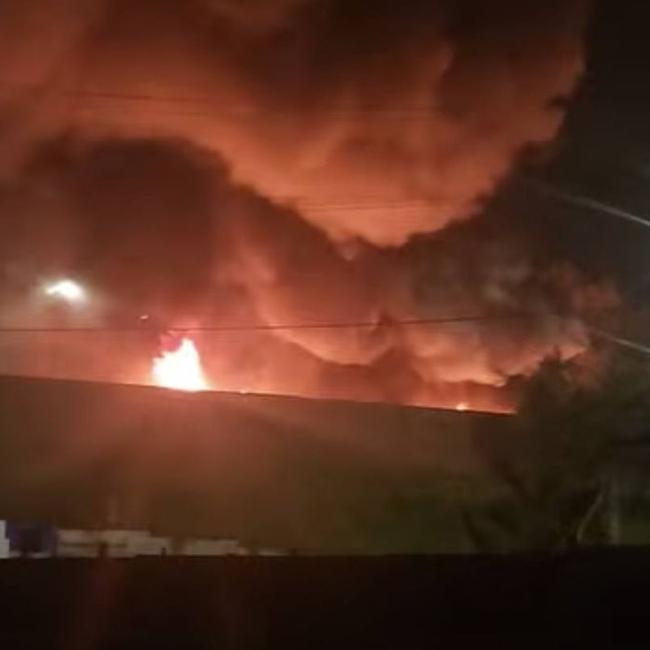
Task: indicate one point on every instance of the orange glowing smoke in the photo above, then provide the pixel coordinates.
(180, 368)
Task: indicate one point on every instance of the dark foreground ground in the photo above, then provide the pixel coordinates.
(461, 602)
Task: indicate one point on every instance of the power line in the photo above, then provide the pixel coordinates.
(270, 327)
(618, 340)
(206, 101)
(586, 202)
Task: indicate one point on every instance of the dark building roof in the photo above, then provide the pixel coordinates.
(291, 472)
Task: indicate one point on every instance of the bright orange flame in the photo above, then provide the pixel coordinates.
(180, 368)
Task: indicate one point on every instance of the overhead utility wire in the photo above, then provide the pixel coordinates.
(203, 101)
(602, 334)
(415, 322)
(586, 202)
(618, 340)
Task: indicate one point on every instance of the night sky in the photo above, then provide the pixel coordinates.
(604, 154)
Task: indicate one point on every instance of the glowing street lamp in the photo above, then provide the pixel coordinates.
(67, 290)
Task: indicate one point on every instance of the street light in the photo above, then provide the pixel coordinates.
(67, 290)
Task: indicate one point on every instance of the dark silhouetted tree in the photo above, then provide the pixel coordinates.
(555, 476)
